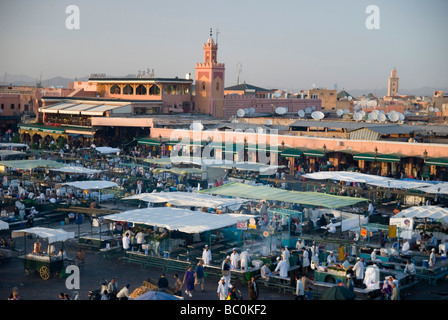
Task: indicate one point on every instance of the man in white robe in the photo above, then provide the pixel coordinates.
(282, 268)
(206, 256)
(234, 258)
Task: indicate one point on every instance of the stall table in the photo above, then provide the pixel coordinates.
(45, 265)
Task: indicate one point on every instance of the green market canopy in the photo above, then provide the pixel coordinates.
(269, 193)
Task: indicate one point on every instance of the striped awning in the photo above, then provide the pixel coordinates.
(148, 142)
(263, 148)
(314, 153)
(378, 157)
(291, 152)
(441, 162)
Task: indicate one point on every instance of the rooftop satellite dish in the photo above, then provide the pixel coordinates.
(346, 111)
(313, 107)
(240, 113)
(436, 110)
(340, 112)
(381, 117)
(357, 116)
(400, 116)
(277, 94)
(280, 110)
(252, 110)
(269, 122)
(246, 111)
(431, 109)
(393, 116)
(308, 110)
(363, 113)
(260, 130)
(350, 98)
(301, 113)
(196, 126)
(317, 115)
(372, 116)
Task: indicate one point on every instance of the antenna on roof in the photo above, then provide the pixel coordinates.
(239, 67)
(217, 32)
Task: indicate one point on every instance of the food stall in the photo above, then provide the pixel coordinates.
(93, 188)
(331, 273)
(39, 260)
(5, 253)
(285, 221)
(166, 248)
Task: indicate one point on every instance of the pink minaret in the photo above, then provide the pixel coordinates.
(209, 96)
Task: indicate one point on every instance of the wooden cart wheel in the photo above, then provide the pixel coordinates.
(44, 272)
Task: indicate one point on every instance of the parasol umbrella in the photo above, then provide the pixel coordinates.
(156, 295)
(338, 293)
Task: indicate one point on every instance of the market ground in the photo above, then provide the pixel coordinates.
(32, 287)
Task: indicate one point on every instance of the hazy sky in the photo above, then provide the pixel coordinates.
(281, 44)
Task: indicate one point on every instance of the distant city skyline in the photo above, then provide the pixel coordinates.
(285, 45)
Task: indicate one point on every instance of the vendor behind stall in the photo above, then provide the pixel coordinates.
(51, 249)
(331, 259)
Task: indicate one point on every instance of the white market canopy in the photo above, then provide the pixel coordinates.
(4, 225)
(438, 188)
(6, 153)
(430, 212)
(31, 164)
(12, 145)
(187, 199)
(92, 184)
(182, 220)
(370, 179)
(179, 171)
(245, 166)
(52, 235)
(77, 169)
(107, 150)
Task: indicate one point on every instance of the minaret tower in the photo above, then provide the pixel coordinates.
(209, 96)
(392, 87)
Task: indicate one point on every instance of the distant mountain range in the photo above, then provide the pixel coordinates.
(25, 80)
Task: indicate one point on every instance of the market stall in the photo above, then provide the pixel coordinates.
(46, 263)
(426, 219)
(95, 185)
(5, 253)
(167, 230)
(76, 170)
(287, 223)
(263, 192)
(107, 150)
